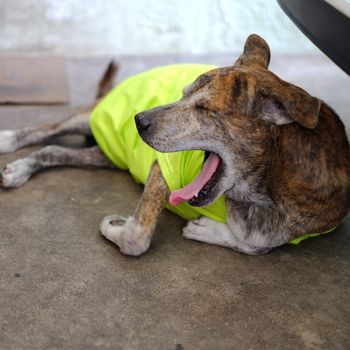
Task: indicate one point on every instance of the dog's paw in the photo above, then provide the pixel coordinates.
(209, 231)
(8, 141)
(112, 226)
(195, 229)
(127, 234)
(17, 173)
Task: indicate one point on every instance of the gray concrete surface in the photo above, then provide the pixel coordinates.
(65, 287)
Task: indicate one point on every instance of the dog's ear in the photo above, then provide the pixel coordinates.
(256, 53)
(287, 104)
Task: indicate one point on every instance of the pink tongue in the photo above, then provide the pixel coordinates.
(193, 188)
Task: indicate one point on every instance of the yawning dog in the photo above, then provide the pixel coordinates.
(251, 160)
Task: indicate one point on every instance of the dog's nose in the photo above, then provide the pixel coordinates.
(143, 122)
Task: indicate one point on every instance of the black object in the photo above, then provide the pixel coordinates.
(325, 26)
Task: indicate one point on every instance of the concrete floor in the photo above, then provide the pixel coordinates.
(65, 287)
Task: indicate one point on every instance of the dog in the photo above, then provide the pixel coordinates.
(276, 157)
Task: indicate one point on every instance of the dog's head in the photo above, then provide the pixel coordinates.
(229, 112)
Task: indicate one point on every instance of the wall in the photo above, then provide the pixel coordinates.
(97, 27)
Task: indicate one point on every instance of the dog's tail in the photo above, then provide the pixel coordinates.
(104, 86)
(106, 82)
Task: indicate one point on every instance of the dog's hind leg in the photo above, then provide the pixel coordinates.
(18, 172)
(11, 140)
(133, 235)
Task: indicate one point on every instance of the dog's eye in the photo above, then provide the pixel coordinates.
(201, 107)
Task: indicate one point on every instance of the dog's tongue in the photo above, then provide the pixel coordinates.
(193, 188)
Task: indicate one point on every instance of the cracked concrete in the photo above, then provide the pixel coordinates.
(65, 287)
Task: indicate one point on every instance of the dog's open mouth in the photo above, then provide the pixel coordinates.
(200, 191)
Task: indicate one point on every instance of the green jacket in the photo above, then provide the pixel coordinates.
(113, 126)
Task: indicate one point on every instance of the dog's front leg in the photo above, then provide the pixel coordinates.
(133, 235)
(209, 231)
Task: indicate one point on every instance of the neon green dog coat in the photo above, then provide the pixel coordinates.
(113, 126)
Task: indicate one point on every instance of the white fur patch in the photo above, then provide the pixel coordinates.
(213, 232)
(209, 231)
(17, 173)
(129, 236)
(8, 142)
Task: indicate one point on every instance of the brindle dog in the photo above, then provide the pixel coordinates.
(284, 169)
